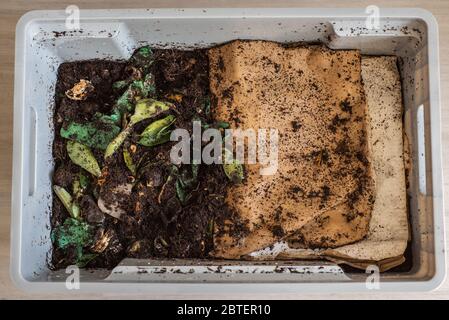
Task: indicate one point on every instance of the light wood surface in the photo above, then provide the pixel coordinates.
(10, 12)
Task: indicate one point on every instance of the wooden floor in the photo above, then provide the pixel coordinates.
(11, 10)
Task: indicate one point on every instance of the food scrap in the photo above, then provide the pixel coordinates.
(80, 90)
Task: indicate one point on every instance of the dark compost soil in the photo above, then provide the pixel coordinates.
(156, 223)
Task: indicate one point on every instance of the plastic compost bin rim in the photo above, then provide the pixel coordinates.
(170, 287)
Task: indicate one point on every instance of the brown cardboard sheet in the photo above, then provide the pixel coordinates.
(386, 240)
(314, 96)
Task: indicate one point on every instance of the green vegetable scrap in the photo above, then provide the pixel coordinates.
(117, 142)
(215, 125)
(145, 109)
(187, 180)
(129, 161)
(76, 188)
(149, 86)
(93, 137)
(142, 59)
(120, 85)
(221, 125)
(113, 118)
(83, 157)
(67, 200)
(157, 132)
(74, 233)
(232, 167)
(79, 185)
(89, 135)
(138, 89)
(180, 192)
(76, 211)
(84, 181)
(64, 196)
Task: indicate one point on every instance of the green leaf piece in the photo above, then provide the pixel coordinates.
(234, 171)
(137, 90)
(113, 118)
(77, 234)
(180, 191)
(129, 161)
(232, 167)
(76, 188)
(117, 142)
(147, 108)
(79, 185)
(84, 180)
(157, 132)
(76, 211)
(91, 135)
(142, 53)
(186, 182)
(149, 86)
(142, 59)
(120, 85)
(222, 125)
(82, 156)
(65, 197)
(72, 233)
(68, 202)
(127, 99)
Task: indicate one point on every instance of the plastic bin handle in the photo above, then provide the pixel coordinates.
(32, 152)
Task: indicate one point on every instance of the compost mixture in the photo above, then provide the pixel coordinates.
(117, 193)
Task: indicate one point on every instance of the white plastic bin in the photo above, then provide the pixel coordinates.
(411, 34)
